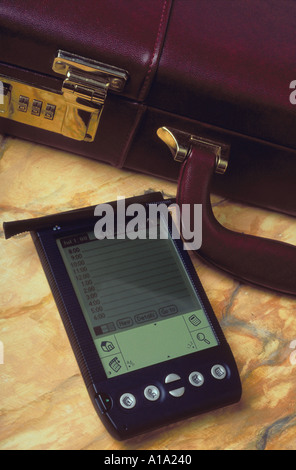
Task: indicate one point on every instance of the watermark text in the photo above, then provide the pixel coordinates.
(135, 221)
(293, 94)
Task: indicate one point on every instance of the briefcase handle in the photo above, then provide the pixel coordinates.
(268, 263)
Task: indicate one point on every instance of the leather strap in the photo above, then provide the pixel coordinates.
(264, 262)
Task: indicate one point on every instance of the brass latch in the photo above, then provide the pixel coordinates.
(76, 110)
(5, 93)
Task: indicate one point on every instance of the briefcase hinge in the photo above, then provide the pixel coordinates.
(76, 109)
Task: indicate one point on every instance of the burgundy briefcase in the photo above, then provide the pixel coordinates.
(213, 79)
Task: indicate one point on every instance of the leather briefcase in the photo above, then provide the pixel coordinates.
(106, 79)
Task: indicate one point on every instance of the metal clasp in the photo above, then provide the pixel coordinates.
(85, 90)
(76, 109)
(5, 95)
(180, 144)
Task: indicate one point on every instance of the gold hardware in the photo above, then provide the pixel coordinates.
(5, 96)
(180, 144)
(90, 70)
(76, 110)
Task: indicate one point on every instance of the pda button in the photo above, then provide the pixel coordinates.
(104, 402)
(178, 392)
(128, 401)
(196, 379)
(152, 393)
(219, 372)
(172, 378)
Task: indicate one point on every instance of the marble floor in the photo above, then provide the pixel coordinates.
(43, 401)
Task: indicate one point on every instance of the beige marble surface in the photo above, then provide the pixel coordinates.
(43, 401)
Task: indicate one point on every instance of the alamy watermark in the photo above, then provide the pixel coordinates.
(136, 222)
(293, 94)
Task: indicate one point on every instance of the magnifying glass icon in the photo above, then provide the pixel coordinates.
(201, 337)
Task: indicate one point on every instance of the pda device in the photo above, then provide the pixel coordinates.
(145, 337)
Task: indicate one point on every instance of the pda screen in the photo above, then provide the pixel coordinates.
(137, 299)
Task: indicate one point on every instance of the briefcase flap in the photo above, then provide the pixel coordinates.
(231, 64)
(125, 35)
(228, 64)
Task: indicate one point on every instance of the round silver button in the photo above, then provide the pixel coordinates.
(196, 379)
(128, 401)
(219, 372)
(152, 393)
